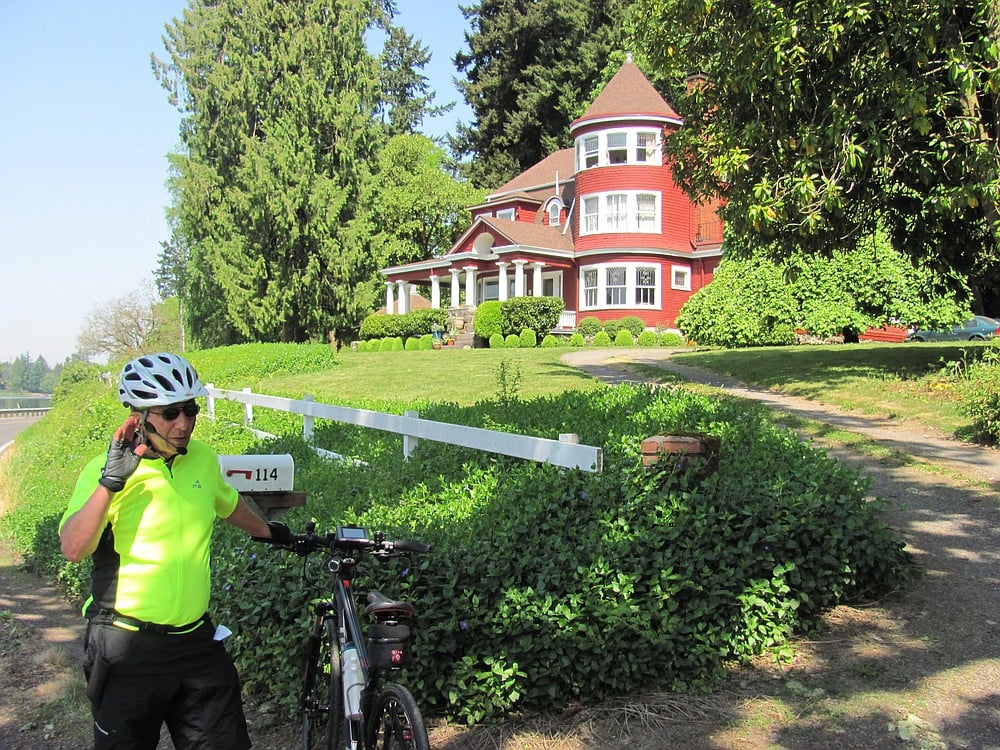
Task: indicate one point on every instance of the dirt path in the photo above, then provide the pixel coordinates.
(919, 670)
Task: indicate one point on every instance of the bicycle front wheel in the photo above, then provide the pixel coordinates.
(395, 722)
(322, 697)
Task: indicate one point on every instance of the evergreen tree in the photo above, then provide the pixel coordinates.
(531, 68)
(406, 95)
(279, 103)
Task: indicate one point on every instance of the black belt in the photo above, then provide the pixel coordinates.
(124, 622)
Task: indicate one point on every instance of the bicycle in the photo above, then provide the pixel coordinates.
(346, 695)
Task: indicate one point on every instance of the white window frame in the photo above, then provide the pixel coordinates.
(680, 278)
(600, 295)
(618, 146)
(590, 217)
(617, 212)
(507, 213)
(557, 286)
(555, 209)
(645, 294)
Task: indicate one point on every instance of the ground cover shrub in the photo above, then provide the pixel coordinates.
(624, 338)
(546, 586)
(576, 339)
(496, 341)
(602, 339)
(647, 338)
(528, 339)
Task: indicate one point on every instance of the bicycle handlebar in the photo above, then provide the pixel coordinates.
(376, 545)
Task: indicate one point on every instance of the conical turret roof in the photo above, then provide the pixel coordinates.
(628, 94)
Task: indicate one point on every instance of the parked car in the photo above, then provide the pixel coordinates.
(979, 328)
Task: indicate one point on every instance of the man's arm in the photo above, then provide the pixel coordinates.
(82, 531)
(246, 518)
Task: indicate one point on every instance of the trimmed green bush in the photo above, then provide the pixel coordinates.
(647, 338)
(496, 341)
(624, 338)
(671, 338)
(385, 345)
(411, 344)
(550, 341)
(602, 339)
(489, 319)
(612, 327)
(540, 314)
(528, 339)
(426, 342)
(633, 324)
(589, 326)
(576, 339)
(512, 341)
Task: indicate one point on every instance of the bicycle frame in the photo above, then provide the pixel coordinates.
(387, 714)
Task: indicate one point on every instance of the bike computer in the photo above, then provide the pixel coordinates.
(352, 536)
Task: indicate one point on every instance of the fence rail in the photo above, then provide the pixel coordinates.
(39, 411)
(566, 452)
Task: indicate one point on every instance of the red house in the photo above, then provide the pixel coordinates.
(602, 225)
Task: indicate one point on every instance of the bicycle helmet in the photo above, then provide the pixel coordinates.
(158, 380)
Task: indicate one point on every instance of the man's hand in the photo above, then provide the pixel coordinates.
(280, 536)
(123, 455)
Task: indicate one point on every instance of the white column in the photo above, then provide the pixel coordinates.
(519, 278)
(503, 280)
(404, 297)
(388, 298)
(435, 291)
(455, 301)
(470, 286)
(536, 281)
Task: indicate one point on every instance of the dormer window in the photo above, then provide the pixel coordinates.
(555, 207)
(506, 213)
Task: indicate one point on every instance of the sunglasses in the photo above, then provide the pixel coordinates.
(171, 413)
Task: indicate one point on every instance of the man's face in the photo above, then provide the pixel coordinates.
(169, 428)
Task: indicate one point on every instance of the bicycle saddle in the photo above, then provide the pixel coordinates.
(380, 605)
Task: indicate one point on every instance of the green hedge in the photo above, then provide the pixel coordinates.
(415, 324)
(540, 314)
(489, 319)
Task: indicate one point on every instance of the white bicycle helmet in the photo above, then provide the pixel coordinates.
(158, 380)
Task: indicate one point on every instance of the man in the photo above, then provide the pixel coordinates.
(145, 512)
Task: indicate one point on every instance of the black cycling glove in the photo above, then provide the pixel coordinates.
(119, 466)
(281, 536)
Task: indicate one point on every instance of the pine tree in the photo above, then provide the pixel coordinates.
(279, 103)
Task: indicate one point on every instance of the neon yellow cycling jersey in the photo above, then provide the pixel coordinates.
(152, 562)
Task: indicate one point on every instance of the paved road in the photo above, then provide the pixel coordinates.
(910, 439)
(11, 426)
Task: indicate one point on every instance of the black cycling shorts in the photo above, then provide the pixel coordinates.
(187, 682)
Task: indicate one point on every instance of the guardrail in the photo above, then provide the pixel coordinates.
(566, 451)
(28, 412)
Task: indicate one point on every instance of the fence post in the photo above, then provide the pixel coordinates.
(247, 411)
(308, 421)
(210, 404)
(409, 442)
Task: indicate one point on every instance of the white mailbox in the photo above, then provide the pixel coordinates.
(261, 473)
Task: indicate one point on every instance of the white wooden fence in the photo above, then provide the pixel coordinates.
(565, 452)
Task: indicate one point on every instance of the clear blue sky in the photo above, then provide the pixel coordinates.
(84, 132)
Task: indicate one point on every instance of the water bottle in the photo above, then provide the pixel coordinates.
(353, 680)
